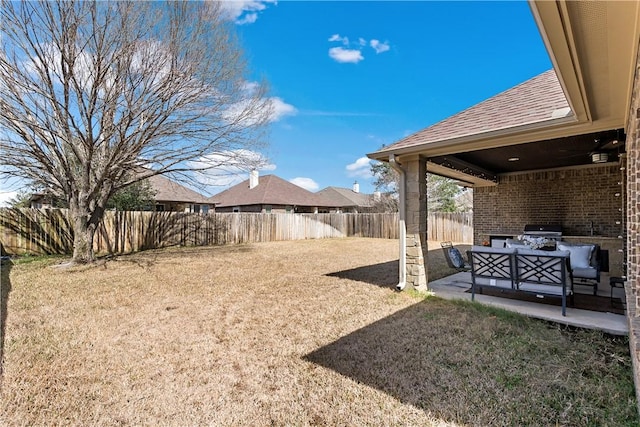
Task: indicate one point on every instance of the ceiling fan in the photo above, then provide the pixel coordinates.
(602, 151)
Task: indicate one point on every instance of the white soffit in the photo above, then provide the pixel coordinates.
(593, 47)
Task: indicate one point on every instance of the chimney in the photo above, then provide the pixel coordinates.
(356, 187)
(253, 179)
(377, 196)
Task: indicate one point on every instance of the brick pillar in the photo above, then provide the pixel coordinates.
(632, 287)
(416, 221)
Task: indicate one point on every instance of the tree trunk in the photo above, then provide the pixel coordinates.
(83, 233)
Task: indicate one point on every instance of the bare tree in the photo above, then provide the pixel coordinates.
(443, 194)
(95, 96)
(386, 183)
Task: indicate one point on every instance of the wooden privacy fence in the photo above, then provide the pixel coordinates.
(455, 227)
(49, 231)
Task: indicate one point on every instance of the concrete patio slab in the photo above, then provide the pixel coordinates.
(456, 286)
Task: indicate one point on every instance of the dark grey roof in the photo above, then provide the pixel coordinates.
(343, 197)
(536, 100)
(170, 191)
(271, 190)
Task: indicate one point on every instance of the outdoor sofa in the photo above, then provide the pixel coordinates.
(537, 272)
(586, 263)
(586, 260)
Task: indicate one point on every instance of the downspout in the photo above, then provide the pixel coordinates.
(393, 162)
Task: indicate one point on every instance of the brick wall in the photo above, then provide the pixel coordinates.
(633, 191)
(633, 227)
(572, 197)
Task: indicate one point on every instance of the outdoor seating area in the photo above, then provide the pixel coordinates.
(603, 311)
(586, 258)
(522, 270)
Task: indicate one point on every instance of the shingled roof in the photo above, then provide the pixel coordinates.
(344, 197)
(271, 190)
(535, 101)
(170, 191)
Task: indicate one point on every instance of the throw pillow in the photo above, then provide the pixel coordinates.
(580, 255)
(456, 258)
(518, 244)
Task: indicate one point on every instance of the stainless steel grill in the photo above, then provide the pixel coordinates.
(549, 231)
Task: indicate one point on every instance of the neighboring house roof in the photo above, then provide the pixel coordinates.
(271, 190)
(342, 197)
(170, 191)
(535, 101)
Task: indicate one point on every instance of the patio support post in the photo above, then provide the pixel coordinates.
(416, 221)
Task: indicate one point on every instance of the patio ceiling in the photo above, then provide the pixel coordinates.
(548, 154)
(559, 119)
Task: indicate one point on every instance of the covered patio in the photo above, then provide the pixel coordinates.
(458, 285)
(561, 148)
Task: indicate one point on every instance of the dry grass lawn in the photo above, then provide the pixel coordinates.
(287, 333)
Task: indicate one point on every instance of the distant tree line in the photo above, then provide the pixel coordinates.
(443, 194)
(139, 196)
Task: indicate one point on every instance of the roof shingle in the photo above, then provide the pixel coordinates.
(170, 191)
(271, 190)
(344, 197)
(537, 100)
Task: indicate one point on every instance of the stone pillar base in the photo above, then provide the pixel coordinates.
(416, 221)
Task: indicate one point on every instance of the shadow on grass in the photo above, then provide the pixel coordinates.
(381, 356)
(465, 365)
(5, 289)
(384, 274)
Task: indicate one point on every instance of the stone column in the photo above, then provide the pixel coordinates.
(416, 221)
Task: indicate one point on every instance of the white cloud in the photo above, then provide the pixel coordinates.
(342, 55)
(244, 111)
(5, 197)
(360, 168)
(338, 38)
(281, 109)
(378, 46)
(244, 11)
(352, 52)
(230, 167)
(10, 187)
(249, 18)
(306, 183)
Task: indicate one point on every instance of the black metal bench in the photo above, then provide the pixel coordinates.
(544, 273)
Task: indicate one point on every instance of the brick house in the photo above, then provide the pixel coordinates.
(174, 197)
(267, 194)
(169, 196)
(561, 148)
(347, 200)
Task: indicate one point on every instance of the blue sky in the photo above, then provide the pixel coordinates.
(348, 77)
(352, 76)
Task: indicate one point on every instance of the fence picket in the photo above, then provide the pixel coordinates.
(49, 231)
